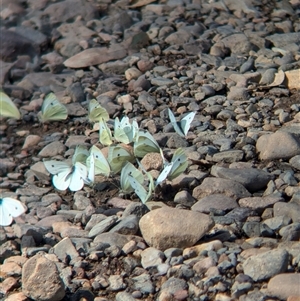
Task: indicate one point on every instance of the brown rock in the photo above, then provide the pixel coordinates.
(95, 56)
(41, 281)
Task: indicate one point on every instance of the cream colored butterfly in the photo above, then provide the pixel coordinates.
(7, 107)
(180, 164)
(52, 109)
(182, 127)
(101, 166)
(144, 144)
(130, 170)
(80, 155)
(97, 112)
(67, 175)
(124, 131)
(118, 157)
(9, 208)
(140, 190)
(105, 137)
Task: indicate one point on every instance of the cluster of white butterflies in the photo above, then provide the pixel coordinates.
(86, 164)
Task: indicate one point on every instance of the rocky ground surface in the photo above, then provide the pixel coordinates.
(229, 228)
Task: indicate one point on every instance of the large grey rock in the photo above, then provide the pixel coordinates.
(253, 179)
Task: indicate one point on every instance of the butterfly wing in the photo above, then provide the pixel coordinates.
(119, 132)
(130, 170)
(54, 167)
(101, 165)
(180, 164)
(61, 181)
(144, 144)
(105, 136)
(185, 122)
(176, 125)
(91, 170)
(163, 175)
(78, 176)
(97, 112)
(7, 107)
(118, 157)
(139, 190)
(52, 109)
(80, 155)
(9, 208)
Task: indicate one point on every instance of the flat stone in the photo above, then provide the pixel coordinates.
(266, 265)
(95, 56)
(253, 179)
(228, 187)
(216, 201)
(291, 210)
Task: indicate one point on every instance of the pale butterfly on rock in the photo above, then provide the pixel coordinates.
(130, 170)
(52, 109)
(91, 171)
(97, 112)
(118, 157)
(7, 107)
(80, 155)
(180, 164)
(105, 137)
(124, 131)
(9, 208)
(164, 174)
(140, 190)
(182, 127)
(67, 175)
(144, 144)
(101, 166)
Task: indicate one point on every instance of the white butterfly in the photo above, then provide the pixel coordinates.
(91, 171)
(118, 157)
(67, 175)
(9, 208)
(101, 166)
(164, 174)
(139, 189)
(183, 126)
(130, 170)
(97, 112)
(52, 109)
(124, 131)
(144, 144)
(105, 136)
(7, 107)
(180, 164)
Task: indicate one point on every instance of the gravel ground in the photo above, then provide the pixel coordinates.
(229, 227)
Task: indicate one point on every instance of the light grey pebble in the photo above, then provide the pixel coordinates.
(151, 257)
(143, 283)
(116, 282)
(127, 225)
